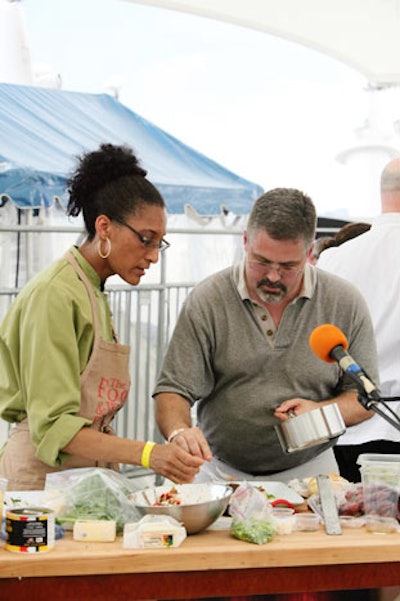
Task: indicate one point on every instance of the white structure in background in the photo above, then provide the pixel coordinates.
(375, 142)
(15, 59)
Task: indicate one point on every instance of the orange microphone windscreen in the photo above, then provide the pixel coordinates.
(324, 339)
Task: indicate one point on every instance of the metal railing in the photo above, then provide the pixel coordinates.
(144, 317)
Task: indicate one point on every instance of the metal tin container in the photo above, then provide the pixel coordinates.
(311, 428)
(30, 529)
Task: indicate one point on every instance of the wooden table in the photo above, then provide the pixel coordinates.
(209, 564)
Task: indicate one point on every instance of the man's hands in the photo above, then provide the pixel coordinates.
(181, 459)
(349, 406)
(296, 406)
(193, 441)
(175, 463)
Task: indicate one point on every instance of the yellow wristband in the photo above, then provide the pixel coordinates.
(147, 449)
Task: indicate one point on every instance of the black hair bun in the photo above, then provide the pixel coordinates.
(113, 162)
(98, 169)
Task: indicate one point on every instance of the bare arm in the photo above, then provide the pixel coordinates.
(171, 461)
(173, 415)
(351, 409)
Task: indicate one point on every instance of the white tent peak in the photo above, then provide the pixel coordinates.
(363, 35)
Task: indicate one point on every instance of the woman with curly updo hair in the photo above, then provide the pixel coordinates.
(63, 373)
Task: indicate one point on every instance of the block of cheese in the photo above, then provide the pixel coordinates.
(95, 530)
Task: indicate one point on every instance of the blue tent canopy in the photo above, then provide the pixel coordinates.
(43, 130)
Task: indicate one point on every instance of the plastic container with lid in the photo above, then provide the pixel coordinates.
(307, 521)
(374, 461)
(283, 519)
(380, 477)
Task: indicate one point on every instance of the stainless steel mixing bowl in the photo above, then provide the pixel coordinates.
(201, 504)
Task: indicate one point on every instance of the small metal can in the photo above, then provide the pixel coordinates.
(30, 529)
(311, 428)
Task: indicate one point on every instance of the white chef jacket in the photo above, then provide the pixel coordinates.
(371, 261)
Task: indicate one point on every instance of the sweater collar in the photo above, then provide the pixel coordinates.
(307, 289)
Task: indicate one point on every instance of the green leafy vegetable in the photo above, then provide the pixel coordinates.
(253, 530)
(98, 496)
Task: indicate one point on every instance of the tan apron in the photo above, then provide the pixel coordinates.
(104, 389)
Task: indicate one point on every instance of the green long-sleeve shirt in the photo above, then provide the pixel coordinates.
(46, 340)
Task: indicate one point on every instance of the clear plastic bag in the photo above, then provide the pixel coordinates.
(91, 493)
(251, 513)
(349, 502)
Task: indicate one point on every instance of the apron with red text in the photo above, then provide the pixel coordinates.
(105, 385)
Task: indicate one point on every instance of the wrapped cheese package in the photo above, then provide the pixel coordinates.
(154, 532)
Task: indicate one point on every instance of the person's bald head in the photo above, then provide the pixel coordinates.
(390, 187)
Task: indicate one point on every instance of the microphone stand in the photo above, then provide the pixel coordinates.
(373, 402)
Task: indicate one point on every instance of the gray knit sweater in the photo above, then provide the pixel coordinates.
(219, 357)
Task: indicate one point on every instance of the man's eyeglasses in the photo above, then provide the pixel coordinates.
(264, 267)
(145, 240)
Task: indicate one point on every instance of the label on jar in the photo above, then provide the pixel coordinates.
(30, 529)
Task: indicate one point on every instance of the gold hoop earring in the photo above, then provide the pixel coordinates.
(108, 251)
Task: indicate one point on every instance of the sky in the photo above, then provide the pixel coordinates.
(270, 110)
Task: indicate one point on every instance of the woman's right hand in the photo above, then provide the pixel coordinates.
(174, 463)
